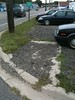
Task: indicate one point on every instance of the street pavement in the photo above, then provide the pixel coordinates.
(17, 21)
(6, 93)
(33, 61)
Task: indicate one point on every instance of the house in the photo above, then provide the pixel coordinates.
(63, 4)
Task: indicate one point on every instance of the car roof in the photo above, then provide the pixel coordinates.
(67, 26)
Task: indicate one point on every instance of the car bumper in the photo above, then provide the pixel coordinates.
(40, 21)
(60, 39)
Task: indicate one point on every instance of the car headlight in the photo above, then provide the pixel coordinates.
(57, 31)
(40, 18)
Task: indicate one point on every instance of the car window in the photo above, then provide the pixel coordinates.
(69, 13)
(51, 12)
(60, 13)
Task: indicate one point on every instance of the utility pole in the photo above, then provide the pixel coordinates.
(49, 3)
(45, 5)
(10, 17)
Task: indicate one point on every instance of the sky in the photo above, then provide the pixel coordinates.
(50, 0)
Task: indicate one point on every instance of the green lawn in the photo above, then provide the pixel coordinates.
(12, 41)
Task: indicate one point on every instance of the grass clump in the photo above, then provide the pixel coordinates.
(15, 90)
(64, 77)
(60, 57)
(25, 98)
(66, 83)
(41, 82)
(12, 41)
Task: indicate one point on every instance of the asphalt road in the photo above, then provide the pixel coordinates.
(3, 18)
(6, 93)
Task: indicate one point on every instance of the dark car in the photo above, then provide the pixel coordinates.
(49, 12)
(19, 12)
(65, 34)
(58, 18)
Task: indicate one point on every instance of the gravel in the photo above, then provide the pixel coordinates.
(35, 58)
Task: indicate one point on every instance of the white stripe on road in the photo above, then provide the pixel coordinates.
(3, 24)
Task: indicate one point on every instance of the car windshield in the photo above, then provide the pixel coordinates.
(50, 12)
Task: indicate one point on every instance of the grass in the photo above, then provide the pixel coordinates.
(41, 82)
(65, 81)
(17, 92)
(12, 41)
(60, 58)
(25, 98)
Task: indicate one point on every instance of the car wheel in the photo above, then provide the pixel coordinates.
(71, 42)
(47, 22)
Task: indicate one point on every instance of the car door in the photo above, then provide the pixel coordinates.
(70, 16)
(59, 18)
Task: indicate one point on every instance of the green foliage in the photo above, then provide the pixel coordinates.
(56, 3)
(21, 1)
(39, 2)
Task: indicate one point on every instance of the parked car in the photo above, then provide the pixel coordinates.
(65, 34)
(3, 7)
(49, 12)
(18, 12)
(58, 18)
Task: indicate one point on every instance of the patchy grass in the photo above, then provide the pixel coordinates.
(41, 82)
(12, 41)
(60, 58)
(25, 98)
(15, 90)
(65, 80)
(65, 83)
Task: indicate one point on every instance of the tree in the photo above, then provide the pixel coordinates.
(56, 3)
(39, 2)
(22, 1)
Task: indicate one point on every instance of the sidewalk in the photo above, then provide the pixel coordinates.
(31, 62)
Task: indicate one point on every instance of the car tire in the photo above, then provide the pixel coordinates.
(47, 22)
(71, 42)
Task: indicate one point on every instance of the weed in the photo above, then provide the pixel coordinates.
(15, 90)
(25, 98)
(41, 82)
